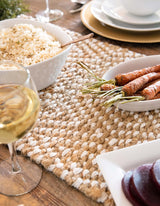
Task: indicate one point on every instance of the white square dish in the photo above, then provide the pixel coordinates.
(114, 165)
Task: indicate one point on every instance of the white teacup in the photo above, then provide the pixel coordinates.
(141, 7)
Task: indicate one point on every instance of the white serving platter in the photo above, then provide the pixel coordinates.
(129, 66)
(113, 166)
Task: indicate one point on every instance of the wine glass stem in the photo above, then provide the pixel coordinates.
(47, 5)
(13, 155)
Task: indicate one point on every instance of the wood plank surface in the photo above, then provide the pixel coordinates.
(52, 191)
(73, 22)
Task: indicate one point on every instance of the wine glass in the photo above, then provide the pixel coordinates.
(48, 14)
(19, 109)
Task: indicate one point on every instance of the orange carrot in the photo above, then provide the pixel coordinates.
(107, 87)
(148, 84)
(122, 79)
(151, 91)
(137, 84)
(157, 96)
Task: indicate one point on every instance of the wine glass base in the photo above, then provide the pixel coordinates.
(48, 16)
(15, 184)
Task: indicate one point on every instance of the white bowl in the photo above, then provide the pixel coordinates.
(141, 7)
(44, 73)
(131, 65)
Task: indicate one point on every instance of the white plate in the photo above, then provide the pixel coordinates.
(113, 166)
(103, 18)
(115, 10)
(132, 65)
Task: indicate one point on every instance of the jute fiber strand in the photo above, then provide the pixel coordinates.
(72, 129)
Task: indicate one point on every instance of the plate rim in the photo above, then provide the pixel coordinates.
(110, 22)
(138, 22)
(95, 26)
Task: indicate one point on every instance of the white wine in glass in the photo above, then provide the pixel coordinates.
(19, 109)
(48, 14)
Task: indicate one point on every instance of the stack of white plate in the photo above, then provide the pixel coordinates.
(112, 13)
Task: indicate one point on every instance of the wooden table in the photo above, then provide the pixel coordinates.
(73, 22)
(52, 191)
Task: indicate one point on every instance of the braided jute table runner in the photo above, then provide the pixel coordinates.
(72, 129)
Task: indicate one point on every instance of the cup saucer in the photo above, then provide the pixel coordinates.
(115, 10)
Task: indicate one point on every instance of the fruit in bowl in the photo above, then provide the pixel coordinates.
(34, 45)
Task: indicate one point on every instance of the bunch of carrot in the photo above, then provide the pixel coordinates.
(143, 84)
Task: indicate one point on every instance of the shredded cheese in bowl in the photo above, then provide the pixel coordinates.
(26, 44)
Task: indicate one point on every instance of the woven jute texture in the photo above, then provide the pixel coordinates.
(72, 129)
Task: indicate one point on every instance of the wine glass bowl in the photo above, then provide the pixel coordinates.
(19, 109)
